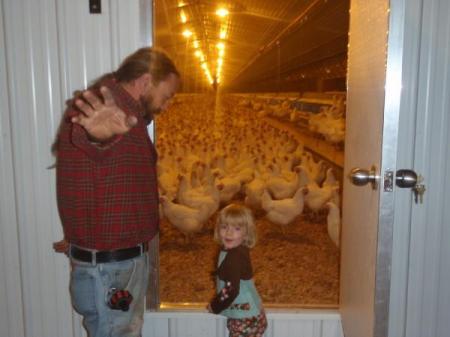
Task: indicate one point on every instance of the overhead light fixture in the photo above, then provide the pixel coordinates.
(183, 17)
(220, 45)
(195, 43)
(187, 33)
(223, 34)
(199, 54)
(222, 12)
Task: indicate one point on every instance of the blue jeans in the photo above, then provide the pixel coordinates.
(89, 287)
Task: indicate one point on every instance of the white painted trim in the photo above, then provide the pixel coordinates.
(300, 323)
(301, 314)
(402, 198)
(393, 90)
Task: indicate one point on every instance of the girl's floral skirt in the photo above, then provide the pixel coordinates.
(247, 327)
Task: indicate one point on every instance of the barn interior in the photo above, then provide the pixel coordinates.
(260, 121)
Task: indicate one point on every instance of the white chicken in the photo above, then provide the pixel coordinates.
(167, 182)
(283, 186)
(317, 196)
(254, 191)
(334, 222)
(197, 198)
(187, 219)
(228, 188)
(330, 179)
(283, 212)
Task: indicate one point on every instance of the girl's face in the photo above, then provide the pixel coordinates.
(231, 236)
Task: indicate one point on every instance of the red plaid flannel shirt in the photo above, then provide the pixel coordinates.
(107, 195)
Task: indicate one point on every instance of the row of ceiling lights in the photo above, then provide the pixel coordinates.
(222, 13)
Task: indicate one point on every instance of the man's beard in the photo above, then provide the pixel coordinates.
(149, 109)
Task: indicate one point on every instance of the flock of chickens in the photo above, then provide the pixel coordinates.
(328, 123)
(213, 150)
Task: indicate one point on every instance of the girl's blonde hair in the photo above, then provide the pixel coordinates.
(237, 216)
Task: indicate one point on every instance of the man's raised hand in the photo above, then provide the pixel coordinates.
(102, 120)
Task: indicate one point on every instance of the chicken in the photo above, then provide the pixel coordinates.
(317, 196)
(330, 179)
(167, 170)
(334, 222)
(187, 219)
(283, 212)
(228, 188)
(283, 186)
(212, 191)
(303, 176)
(254, 191)
(198, 198)
(168, 182)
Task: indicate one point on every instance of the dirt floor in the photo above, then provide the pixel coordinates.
(299, 267)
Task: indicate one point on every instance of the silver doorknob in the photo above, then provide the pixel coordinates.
(361, 177)
(406, 178)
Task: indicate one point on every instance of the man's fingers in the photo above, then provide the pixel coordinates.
(93, 100)
(107, 96)
(131, 121)
(80, 120)
(84, 107)
(61, 246)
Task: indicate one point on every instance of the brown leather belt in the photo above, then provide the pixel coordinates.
(105, 256)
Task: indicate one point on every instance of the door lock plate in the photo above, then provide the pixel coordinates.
(388, 181)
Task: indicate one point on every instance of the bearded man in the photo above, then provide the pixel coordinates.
(107, 190)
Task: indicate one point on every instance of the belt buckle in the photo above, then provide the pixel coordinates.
(93, 253)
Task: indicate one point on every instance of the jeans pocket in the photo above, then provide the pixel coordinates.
(118, 275)
(83, 290)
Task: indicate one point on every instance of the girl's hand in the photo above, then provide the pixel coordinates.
(61, 246)
(225, 290)
(102, 120)
(209, 308)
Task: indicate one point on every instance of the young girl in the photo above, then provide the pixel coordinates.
(237, 297)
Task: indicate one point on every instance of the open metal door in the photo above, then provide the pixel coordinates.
(397, 115)
(374, 78)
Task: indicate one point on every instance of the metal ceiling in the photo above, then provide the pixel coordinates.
(265, 41)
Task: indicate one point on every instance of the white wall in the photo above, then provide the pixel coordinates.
(47, 50)
(420, 287)
(11, 313)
